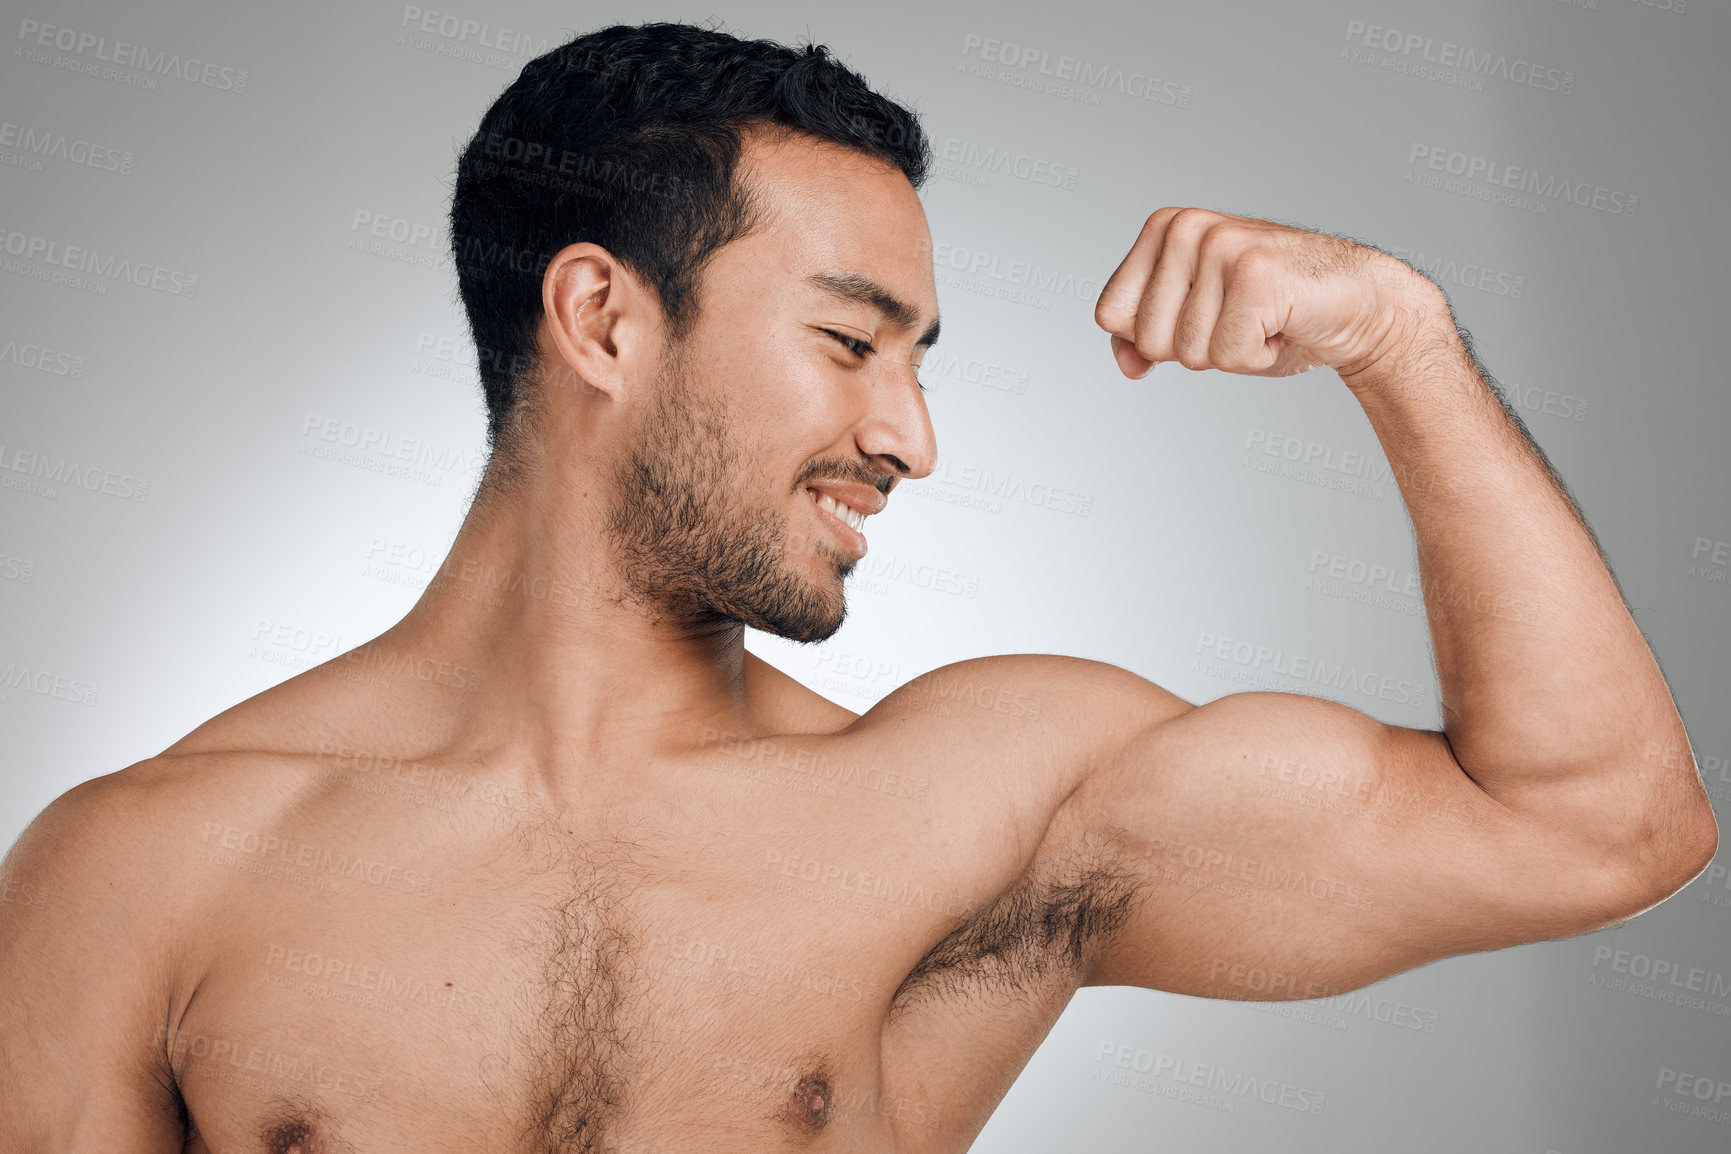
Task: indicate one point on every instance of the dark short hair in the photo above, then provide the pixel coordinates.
(628, 137)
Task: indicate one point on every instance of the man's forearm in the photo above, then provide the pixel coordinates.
(1543, 673)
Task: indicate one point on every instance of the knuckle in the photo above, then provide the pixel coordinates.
(1193, 220)
(1223, 236)
(1256, 260)
(1233, 359)
(1192, 350)
(1159, 217)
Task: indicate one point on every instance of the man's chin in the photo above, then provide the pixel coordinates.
(815, 616)
(805, 630)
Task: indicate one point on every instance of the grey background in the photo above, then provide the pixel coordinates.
(246, 556)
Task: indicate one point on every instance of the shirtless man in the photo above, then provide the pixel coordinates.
(555, 865)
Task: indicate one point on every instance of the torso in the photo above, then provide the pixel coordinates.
(838, 939)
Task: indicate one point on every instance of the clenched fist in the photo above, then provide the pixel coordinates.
(1213, 291)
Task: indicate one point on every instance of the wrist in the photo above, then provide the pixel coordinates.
(1419, 329)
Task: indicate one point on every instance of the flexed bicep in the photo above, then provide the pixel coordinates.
(1290, 847)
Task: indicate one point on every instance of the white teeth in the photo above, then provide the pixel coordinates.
(846, 512)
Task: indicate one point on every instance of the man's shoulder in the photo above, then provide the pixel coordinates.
(107, 905)
(1039, 697)
(1055, 681)
(116, 814)
(126, 842)
(1031, 724)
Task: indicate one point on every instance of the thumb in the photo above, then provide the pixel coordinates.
(1132, 363)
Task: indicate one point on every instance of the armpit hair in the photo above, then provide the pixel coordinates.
(1050, 921)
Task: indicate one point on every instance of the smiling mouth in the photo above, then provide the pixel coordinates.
(854, 519)
(846, 522)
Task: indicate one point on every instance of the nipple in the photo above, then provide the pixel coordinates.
(812, 1100)
(290, 1138)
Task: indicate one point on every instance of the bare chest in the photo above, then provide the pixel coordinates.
(739, 992)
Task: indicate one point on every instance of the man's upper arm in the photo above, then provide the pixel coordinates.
(1278, 846)
(84, 979)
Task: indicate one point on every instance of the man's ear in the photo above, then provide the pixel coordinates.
(599, 317)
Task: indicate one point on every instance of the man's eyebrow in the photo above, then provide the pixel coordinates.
(859, 289)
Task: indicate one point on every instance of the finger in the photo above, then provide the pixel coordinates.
(1169, 286)
(1193, 328)
(1116, 309)
(1251, 316)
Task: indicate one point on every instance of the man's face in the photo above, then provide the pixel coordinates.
(794, 388)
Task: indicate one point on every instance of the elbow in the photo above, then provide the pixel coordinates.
(1666, 857)
(1703, 846)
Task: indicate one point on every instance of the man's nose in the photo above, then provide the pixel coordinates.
(898, 434)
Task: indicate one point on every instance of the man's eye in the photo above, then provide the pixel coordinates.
(859, 348)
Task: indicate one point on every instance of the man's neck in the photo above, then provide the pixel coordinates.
(571, 664)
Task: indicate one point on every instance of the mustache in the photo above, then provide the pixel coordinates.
(839, 469)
